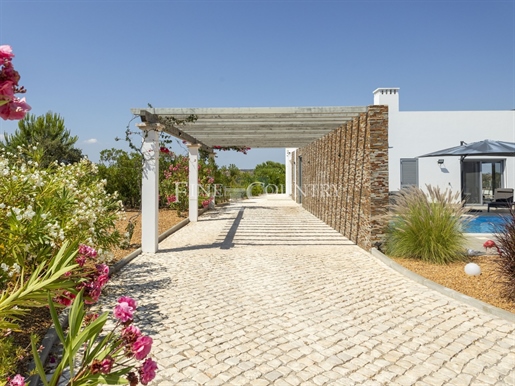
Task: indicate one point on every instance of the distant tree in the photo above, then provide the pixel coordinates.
(270, 173)
(49, 134)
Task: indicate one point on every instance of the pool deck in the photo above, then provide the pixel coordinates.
(475, 240)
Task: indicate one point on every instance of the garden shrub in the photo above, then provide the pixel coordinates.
(41, 208)
(123, 172)
(426, 227)
(174, 189)
(505, 243)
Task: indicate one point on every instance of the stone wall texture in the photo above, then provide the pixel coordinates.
(342, 178)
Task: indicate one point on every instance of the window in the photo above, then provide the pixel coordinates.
(409, 172)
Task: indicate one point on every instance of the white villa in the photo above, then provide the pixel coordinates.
(414, 133)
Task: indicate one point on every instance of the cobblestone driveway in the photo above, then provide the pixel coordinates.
(263, 293)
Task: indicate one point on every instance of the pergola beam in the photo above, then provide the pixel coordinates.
(174, 131)
(256, 126)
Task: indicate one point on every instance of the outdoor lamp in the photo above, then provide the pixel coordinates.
(472, 269)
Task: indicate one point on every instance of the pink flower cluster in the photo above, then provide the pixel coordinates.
(206, 203)
(136, 345)
(92, 278)
(11, 107)
(17, 380)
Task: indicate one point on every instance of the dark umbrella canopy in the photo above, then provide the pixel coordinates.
(486, 147)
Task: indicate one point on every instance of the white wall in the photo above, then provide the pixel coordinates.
(288, 154)
(414, 133)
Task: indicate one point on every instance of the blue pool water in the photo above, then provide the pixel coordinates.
(485, 223)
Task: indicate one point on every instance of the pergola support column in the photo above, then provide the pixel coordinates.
(150, 188)
(193, 182)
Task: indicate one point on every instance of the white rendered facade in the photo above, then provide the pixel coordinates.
(414, 133)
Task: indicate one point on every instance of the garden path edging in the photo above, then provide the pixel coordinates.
(51, 336)
(488, 308)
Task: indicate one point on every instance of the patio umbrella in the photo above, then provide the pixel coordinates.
(481, 148)
(486, 147)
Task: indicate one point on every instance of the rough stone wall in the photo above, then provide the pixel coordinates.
(344, 177)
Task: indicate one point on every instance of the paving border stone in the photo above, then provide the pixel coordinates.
(485, 307)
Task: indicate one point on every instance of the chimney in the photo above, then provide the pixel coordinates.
(387, 96)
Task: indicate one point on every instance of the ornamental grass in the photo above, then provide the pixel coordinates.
(428, 227)
(505, 244)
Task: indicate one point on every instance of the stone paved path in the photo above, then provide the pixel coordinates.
(263, 293)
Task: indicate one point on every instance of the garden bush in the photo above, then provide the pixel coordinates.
(173, 187)
(426, 227)
(505, 243)
(41, 208)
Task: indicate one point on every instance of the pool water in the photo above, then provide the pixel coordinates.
(485, 223)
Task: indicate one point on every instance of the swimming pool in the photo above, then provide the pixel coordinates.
(485, 223)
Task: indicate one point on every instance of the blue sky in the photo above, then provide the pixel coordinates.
(91, 61)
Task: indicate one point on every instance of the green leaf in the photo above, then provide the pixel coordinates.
(37, 360)
(116, 378)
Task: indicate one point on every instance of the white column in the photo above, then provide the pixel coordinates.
(294, 176)
(193, 182)
(213, 202)
(288, 163)
(150, 188)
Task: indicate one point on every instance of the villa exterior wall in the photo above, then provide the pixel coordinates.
(414, 133)
(342, 178)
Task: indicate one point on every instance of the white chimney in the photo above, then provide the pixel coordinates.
(387, 96)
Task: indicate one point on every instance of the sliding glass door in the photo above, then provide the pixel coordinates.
(480, 179)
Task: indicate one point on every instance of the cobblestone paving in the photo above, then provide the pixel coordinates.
(263, 293)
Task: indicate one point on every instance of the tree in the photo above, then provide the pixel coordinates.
(49, 134)
(123, 174)
(270, 173)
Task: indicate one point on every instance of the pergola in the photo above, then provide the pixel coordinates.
(255, 127)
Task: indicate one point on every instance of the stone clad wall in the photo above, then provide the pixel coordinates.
(344, 177)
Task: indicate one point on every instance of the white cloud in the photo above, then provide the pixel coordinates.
(91, 140)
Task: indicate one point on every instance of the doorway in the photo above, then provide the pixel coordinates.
(480, 178)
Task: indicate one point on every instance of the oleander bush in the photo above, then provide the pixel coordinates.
(428, 227)
(41, 208)
(174, 189)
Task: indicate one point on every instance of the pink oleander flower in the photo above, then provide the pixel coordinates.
(15, 110)
(8, 73)
(6, 52)
(130, 301)
(101, 280)
(130, 334)
(106, 365)
(102, 269)
(87, 251)
(18, 380)
(147, 371)
(81, 260)
(141, 348)
(123, 312)
(7, 91)
(92, 294)
(66, 298)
